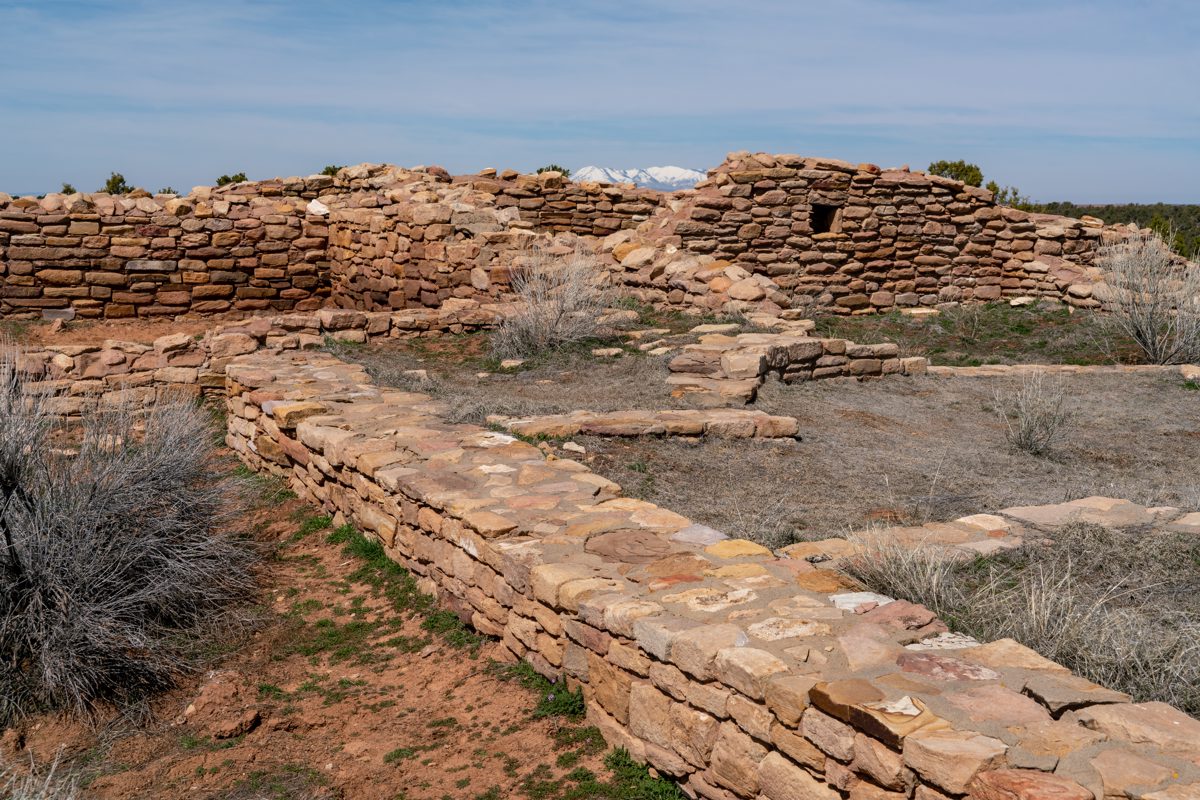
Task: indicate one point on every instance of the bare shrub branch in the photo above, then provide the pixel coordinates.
(1155, 297)
(1037, 415)
(560, 300)
(112, 553)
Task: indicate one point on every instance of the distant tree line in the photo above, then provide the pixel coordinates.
(1179, 225)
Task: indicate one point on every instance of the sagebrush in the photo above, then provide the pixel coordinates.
(1155, 298)
(113, 550)
(1037, 415)
(560, 299)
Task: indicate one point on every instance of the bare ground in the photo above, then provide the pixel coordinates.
(338, 693)
(896, 449)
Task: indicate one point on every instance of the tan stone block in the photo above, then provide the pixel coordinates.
(735, 760)
(950, 759)
(695, 732)
(1156, 724)
(611, 687)
(780, 779)
(797, 748)
(1025, 784)
(650, 714)
(879, 762)
(787, 697)
(831, 736)
(753, 718)
(289, 415)
(694, 651)
(747, 669)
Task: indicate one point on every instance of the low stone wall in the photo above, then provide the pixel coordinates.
(77, 378)
(723, 369)
(741, 673)
(418, 238)
(249, 248)
(689, 423)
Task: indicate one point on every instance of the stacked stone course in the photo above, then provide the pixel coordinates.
(78, 378)
(248, 248)
(742, 673)
(418, 237)
(763, 232)
(826, 234)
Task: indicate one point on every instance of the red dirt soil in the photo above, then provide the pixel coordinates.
(271, 719)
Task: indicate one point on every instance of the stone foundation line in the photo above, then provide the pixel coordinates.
(719, 423)
(739, 672)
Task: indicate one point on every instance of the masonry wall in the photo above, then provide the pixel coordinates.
(77, 378)
(855, 238)
(419, 238)
(764, 232)
(251, 248)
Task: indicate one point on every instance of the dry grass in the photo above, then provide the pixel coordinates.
(52, 783)
(1118, 607)
(918, 450)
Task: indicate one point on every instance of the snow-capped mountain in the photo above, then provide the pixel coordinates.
(665, 179)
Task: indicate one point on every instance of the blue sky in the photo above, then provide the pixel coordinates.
(1087, 101)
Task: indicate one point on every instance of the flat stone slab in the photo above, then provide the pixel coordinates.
(720, 423)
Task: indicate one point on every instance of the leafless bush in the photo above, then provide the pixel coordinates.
(1155, 298)
(110, 555)
(1037, 415)
(53, 784)
(1118, 607)
(560, 299)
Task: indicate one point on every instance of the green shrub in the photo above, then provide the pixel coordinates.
(68, 189)
(167, 190)
(566, 173)
(960, 170)
(237, 177)
(116, 185)
(332, 169)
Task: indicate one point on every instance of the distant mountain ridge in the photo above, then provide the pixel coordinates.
(666, 179)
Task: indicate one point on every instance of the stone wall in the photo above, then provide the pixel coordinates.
(416, 238)
(248, 248)
(740, 672)
(822, 234)
(763, 232)
(77, 378)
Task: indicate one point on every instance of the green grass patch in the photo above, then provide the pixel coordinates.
(990, 333)
(554, 698)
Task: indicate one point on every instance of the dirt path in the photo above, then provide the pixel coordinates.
(352, 687)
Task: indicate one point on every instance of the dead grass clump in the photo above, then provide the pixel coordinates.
(1037, 415)
(111, 555)
(53, 784)
(560, 300)
(1118, 607)
(1155, 299)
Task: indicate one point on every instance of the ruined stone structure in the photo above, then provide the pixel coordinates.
(764, 233)
(740, 672)
(854, 237)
